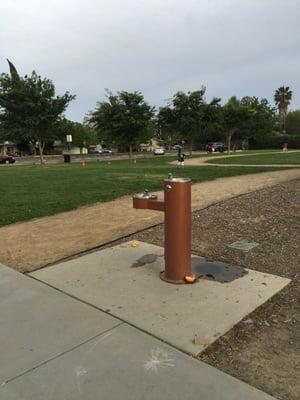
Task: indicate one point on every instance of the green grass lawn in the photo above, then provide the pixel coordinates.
(277, 158)
(35, 191)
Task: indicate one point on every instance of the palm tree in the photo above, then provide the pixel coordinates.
(282, 98)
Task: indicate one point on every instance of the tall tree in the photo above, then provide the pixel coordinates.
(235, 115)
(189, 113)
(282, 98)
(123, 119)
(82, 134)
(166, 127)
(293, 123)
(29, 108)
(13, 71)
(2, 133)
(261, 119)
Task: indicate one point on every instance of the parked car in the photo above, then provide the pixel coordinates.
(106, 151)
(100, 151)
(159, 151)
(7, 160)
(215, 146)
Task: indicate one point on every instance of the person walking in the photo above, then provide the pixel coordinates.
(285, 148)
(180, 160)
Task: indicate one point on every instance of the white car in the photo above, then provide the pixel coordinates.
(100, 151)
(159, 151)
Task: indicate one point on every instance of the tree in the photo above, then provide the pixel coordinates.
(261, 118)
(29, 108)
(282, 98)
(2, 133)
(235, 116)
(293, 123)
(123, 119)
(166, 127)
(190, 114)
(82, 134)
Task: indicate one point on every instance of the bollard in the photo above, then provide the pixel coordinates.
(178, 227)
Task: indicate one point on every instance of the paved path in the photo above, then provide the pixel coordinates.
(36, 243)
(55, 347)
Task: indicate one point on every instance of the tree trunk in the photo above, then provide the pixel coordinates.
(130, 152)
(283, 121)
(82, 156)
(280, 120)
(191, 147)
(229, 142)
(41, 151)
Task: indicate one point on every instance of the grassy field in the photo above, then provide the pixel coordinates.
(260, 159)
(35, 191)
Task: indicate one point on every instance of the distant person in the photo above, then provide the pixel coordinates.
(180, 160)
(285, 148)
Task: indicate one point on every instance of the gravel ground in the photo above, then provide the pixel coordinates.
(264, 348)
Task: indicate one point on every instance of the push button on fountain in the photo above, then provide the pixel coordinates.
(147, 201)
(147, 195)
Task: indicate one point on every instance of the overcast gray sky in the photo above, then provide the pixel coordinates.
(233, 47)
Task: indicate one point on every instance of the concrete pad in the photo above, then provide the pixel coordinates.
(124, 281)
(38, 323)
(127, 364)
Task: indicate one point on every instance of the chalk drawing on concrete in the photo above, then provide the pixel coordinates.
(158, 358)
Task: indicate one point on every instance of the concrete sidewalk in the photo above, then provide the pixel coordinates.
(57, 237)
(56, 347)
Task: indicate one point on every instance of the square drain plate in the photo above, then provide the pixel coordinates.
(243, 245)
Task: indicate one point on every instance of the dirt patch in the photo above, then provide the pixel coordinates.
(264, 349)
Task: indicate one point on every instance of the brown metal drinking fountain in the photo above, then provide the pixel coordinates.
(178, 227)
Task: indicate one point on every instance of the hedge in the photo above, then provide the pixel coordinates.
(272, 141)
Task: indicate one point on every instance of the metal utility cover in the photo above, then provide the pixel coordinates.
(243, 245)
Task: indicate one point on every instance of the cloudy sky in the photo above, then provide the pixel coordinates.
(233, 47)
